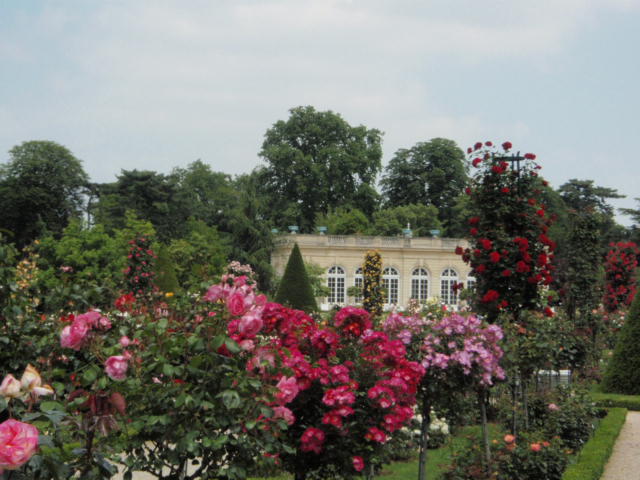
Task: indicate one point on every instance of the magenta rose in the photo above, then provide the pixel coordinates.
(18, 443)
(116, 367)
(288, 389)
(358, 463)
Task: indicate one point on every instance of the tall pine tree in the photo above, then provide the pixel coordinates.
(295, 288)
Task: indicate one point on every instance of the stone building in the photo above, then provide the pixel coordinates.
(419, 268)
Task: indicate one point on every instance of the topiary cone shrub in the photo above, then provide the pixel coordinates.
(623, 372)
(295, 288)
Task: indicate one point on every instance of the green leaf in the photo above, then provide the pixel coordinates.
(90, 374)
(231, 399)
(232, 346)
(49, 406)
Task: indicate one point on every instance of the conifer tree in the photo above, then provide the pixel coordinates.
(623, 372)
(295, 288)
(166, 279)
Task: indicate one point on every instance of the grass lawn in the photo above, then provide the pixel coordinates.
(437, 460)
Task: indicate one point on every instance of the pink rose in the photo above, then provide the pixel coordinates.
(116, 367)
(288, 389)
(358, 463)
(235, 304)
(249, 325)
(125, 341)
(535, 447)
(73, 335)
(553, 407)
(215, 293)
(10, 387)
(18, 443)
(285, 414)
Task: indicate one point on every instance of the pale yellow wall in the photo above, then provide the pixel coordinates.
(404, 254)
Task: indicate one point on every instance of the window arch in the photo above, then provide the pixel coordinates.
(358, 282)
(336, 282)
(448, 280)
(420, 284)
(391, 285)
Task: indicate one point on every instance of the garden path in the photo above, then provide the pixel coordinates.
(624, 463)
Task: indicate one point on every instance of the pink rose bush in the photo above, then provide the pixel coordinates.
(18, 443)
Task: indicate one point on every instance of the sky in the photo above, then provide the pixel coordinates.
(157, 84)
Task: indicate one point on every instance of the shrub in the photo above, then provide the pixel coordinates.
(295, 289)
(524, 458)
(623, 371)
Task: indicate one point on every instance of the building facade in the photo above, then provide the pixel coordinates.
(419, 268)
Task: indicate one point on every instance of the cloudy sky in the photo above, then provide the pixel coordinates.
(152, 84)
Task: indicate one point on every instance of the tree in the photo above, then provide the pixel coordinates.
(511, 253)
(429, 173)
(344, 222)
(41, 189)
(392, 221)
(151, 195)
(623, 371)
(166, 279)
(295, 289)
(316, 161)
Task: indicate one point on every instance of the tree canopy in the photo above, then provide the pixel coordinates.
(429, 173)
(41, 189)
(316, 161)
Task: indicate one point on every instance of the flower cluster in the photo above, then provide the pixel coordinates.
(76, 335)
(511, 252)
(620, 283)
(140, 270)
(30, 384)
(464, 343)
(372, 287)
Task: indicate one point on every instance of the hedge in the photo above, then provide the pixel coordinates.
(608, 400)
(593, 457)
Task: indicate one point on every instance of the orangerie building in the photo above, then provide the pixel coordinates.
(421, 268)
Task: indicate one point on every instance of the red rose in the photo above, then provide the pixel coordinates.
(505, 189)
(494, 257)
(476, 161)
(473, 231)
(490, 296)
(530, 156)
(506, 273)
(507, 145)
(481, 268)
(477, 146)
(489, 144)
(486, 243)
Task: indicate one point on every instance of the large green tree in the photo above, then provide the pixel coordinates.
(41, 189)
(392, 221)
(315, 162)
(430, 173)
(152, 196)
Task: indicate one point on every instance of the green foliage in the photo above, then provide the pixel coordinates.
(40, 190)
(594, 455)
(295, 289)
(317, 162)
(608, 400)
(344, 222)
(392, 221)
(429, 173)
(199, 257)
(623, 371)
(315, 274)
(372, 300)
(166, 279)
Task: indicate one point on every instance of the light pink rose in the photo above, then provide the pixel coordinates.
(235, 304)
(32, 383)
(124, 341)
(215, 293)
(553, 407)
(285, 414)
(73, 335)
(247, 345)
(116, 367)
(288, 389)
(249, 325)
(18, 443)
(10, 387)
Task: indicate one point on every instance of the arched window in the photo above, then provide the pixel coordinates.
(335, 282)
(420, 284)
(358, 282)
(448, 279)
(471, 282)
(390, 283)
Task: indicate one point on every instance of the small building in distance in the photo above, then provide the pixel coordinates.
(420, 268)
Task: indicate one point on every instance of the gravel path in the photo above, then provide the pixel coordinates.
(624, 463)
